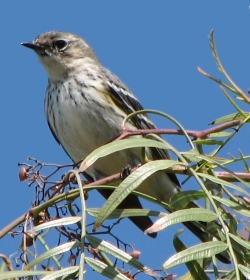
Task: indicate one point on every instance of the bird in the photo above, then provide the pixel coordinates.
(85, 105)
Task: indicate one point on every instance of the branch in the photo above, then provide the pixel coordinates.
(195, 134)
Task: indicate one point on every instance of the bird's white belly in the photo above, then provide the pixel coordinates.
(82, 125)
(85, 125)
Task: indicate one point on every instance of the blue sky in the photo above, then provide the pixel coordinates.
(153, 46)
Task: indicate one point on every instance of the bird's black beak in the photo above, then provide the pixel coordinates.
(33, 46)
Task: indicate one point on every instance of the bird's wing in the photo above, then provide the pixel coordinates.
(123, 97)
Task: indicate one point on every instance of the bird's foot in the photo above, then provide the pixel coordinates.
(125, 172)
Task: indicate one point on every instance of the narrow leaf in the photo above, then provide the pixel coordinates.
(244, 270)
(105, 270)
(55, 251)
(195, 270)
(223, 182)
(107, 247)
(235, 206)
(130, 184)
(228, 118)
(244, 243)
(21, 273)
(124, 213)
(60, 273)
(180, 216)
(58, 223)
(181, 199)
(204, 250)
(208, 142)
(118, 146)
(219, 134)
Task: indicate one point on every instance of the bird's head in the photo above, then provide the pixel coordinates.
(62, 53)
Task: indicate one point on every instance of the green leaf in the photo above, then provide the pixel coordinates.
(244, 243)
(55, 251)
(118, 146)
(191, 155)
(20, 274)
(195, 270)
(180, 216)
(181, 199)
(223, 182)
(244, 270)
(204, 250)
(233, 205)
(130, 184)
(208, 142)
(109, 248)
(105, 270)
(231, 117)
(124, 213)
(209, 160)
(219, 134)
(58, 223)
(234, 104)
(62, 272)
(246, 168)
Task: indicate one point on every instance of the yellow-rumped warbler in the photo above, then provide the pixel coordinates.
(85, 105)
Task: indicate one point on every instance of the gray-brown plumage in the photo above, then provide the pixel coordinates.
(85, 105)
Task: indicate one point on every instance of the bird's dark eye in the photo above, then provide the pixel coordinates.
(60, 44)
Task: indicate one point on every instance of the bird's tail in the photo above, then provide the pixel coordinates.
(132, 202)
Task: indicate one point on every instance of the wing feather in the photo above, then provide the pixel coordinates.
(123, 97)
